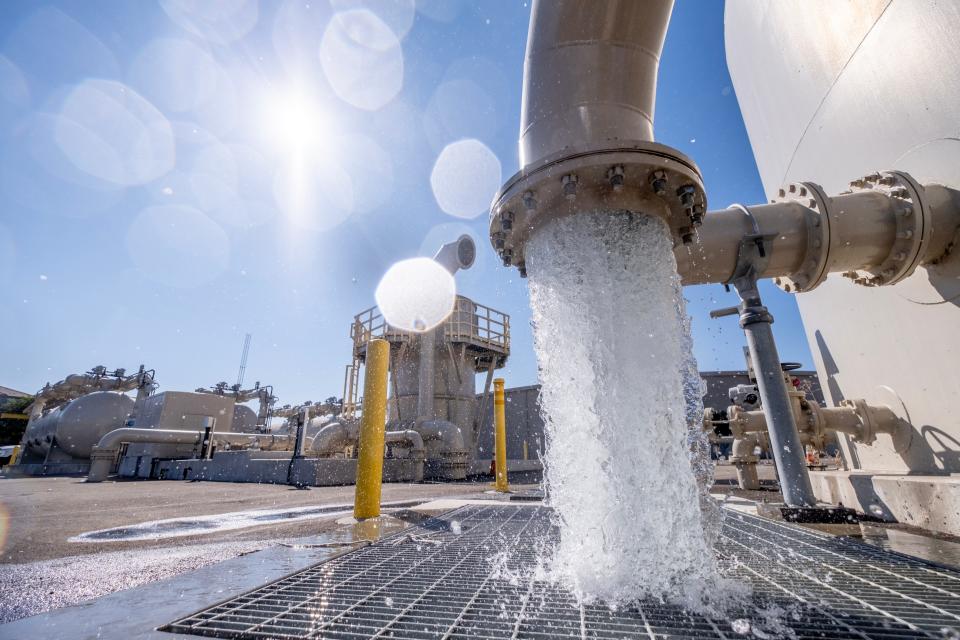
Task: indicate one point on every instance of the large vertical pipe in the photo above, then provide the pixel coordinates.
(500, 422)
(426, 375)
(372, 424)
(590, 74)
(453, 256)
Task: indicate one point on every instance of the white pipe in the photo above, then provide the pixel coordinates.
(457, 255)
(426, 374)
(590, 75)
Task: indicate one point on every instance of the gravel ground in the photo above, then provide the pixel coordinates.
(35, 587)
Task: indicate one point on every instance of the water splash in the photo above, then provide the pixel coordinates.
(613, 343)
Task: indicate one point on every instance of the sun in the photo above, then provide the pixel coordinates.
(294, 121)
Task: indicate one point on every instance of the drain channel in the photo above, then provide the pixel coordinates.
(438, 582)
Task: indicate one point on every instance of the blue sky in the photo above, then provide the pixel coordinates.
(148, 155)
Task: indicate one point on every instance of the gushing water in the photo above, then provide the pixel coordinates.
(626, 466)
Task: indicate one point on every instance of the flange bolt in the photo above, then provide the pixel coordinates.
(658, 180)
(615, 176)
(569, 183)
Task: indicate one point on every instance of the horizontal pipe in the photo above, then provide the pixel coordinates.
(105, 452)
(856, 418)
(863, 228)
(335, 437)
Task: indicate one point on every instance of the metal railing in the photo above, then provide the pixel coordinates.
(469, 322)
(477, 323)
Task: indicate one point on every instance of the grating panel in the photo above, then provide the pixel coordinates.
(437, 582)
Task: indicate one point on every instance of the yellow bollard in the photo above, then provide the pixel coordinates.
(500, 421)
(14, 456)
(372, 423)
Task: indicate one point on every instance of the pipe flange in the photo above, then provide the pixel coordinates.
(638, 176)
(814, 270)
(913, 227)
(868, 433)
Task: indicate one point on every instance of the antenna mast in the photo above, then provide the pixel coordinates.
(243, 359)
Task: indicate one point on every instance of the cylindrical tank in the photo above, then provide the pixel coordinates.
(244, 419)
(314, 426)
(78, 425)
(831, 91)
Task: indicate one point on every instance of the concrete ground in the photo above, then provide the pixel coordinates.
(43, 569)
(43, 513)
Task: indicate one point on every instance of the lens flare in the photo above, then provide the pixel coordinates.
(416, 294)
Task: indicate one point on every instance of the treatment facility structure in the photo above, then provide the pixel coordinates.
(851, 109)
(86, 424)
(859, 155)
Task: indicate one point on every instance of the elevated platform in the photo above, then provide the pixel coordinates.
(436, 581)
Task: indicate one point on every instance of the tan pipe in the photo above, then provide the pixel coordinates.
(745, 460)
(855, 418)
(590, 74)
(335, 437)
(865, 232)
(272, 442)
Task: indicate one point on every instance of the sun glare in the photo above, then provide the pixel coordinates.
(294, 121)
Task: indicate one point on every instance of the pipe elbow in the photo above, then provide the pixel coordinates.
(333, 439)
(443, 431)
(407, 436)
(744, 448)
(457, 255)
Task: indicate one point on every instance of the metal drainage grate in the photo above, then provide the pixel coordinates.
(435, 581)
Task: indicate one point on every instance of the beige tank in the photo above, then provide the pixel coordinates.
(832, 90)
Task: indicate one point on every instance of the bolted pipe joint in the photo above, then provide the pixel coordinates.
(586, 131)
